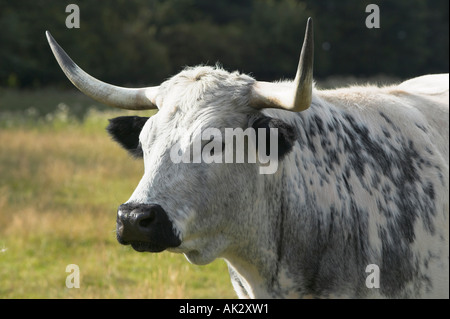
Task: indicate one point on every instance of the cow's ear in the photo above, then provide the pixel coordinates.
(286, 133)
(125, 130)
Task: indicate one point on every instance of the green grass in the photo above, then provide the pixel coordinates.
(61, 180)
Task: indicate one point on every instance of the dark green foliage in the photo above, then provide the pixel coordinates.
(142, 42)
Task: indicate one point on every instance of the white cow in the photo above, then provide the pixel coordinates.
(358, 207)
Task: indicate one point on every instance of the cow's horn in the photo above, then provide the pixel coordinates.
(283, 96)
(124, 98)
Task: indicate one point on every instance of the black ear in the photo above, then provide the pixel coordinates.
(125, 130)
(286, 133)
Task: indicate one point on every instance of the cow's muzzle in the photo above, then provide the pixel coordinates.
(146, 227)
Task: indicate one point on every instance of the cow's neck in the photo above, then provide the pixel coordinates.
(286, 259)
(264, 270)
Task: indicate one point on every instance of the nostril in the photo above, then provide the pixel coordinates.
(146, 220)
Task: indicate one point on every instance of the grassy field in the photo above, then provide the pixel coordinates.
(61, 180)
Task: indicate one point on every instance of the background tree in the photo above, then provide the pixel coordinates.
(142, 42)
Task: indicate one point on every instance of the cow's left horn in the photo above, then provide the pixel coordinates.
(124, 98)
(294, 98)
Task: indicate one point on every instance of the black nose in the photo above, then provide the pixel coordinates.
(135, 222)
(146, 227)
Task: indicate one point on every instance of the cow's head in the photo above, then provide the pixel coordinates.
(197, 208)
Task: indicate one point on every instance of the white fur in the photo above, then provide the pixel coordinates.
(231, 211)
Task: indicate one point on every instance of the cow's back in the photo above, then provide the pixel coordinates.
(433, 92)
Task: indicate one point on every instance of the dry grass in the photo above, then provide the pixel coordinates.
(59, 190)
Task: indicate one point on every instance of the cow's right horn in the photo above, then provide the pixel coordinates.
(124, 98)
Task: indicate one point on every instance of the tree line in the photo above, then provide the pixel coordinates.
(143, 42)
